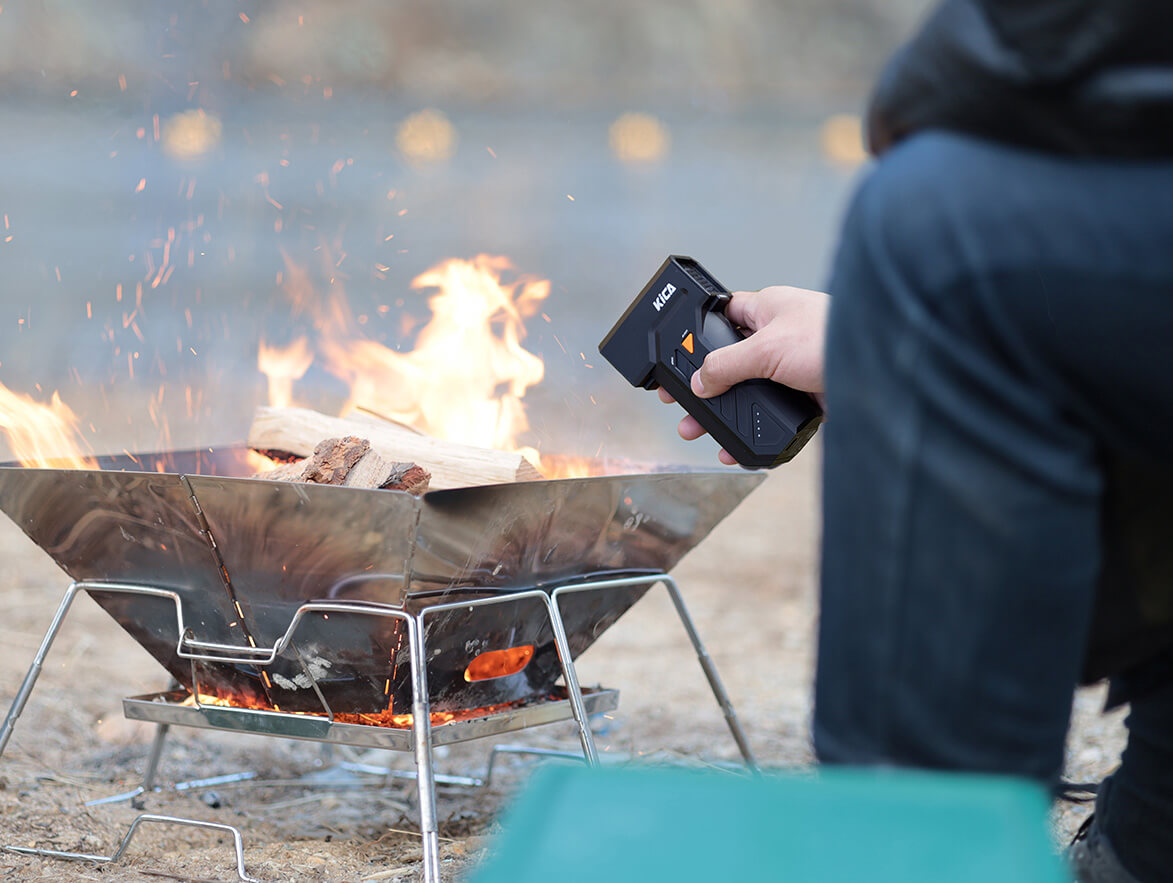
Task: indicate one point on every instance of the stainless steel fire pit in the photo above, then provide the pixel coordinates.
(296, 610)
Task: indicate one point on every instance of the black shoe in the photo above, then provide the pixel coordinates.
(1092, 858)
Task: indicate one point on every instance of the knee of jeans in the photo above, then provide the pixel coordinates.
(880, 279)
(907, 221)
(898, 249)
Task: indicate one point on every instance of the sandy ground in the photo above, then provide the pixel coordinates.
(751, 589)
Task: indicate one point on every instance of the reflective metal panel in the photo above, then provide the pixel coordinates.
(286, 543)
(268, 547)
(540, 532)
(130, 527)
(122, 527)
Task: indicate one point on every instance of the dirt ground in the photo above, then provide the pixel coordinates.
(751, 589)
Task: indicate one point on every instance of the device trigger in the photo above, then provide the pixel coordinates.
(717, 301)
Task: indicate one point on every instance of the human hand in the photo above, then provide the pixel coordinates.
(788, 328)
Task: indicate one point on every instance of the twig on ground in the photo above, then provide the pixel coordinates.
(409, 834)
(389, 873)
(183, 877)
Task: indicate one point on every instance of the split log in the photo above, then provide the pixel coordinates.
(406, 477)
(350, 462)
(334, 459)
(299, 431)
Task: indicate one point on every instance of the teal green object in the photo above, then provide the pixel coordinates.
(839, 826)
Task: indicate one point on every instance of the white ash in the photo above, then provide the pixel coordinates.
(318, 669)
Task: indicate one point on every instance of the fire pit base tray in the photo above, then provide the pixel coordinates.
(167, 708)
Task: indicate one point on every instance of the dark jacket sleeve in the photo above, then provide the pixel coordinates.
(1073, 77)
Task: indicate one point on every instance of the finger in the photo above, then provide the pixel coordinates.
(725, 457)
(665, 396)
(740, 309)
(689, 429)
(724, 367)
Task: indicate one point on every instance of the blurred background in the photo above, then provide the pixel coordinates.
(186, 186)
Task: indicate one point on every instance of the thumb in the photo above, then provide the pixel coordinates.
(724, 367)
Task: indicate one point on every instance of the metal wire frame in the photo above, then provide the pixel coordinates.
(237, 844)
(421, 716)
(706, 662)
(188, 647)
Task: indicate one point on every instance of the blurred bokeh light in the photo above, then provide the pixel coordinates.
(426, 137)
(191, 134)
(639, 138)
(842, 140)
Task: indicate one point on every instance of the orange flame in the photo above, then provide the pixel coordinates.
(258, 462)
(42, 434)
(465, 378)
(283, 365)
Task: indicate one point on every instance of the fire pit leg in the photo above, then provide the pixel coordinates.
(152, 767)
(421, 725)
(710, 670)
(153, 758)
(30, 679)
(570, 675)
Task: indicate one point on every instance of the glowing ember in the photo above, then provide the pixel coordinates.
(258, 462)
(499, 663)
(385, 718)
(42, 434)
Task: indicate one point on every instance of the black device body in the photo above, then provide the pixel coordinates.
(663, 337)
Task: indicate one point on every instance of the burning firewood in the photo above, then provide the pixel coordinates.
(350, 462)
(299, 431)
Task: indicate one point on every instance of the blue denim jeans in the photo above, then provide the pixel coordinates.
(1001, 339)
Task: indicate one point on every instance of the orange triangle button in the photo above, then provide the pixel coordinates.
(687, 342)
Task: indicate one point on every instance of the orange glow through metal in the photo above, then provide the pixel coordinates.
(499, 663)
